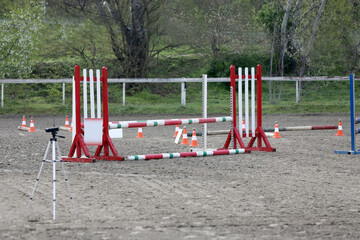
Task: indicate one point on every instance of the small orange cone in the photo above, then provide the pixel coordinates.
(276, 132)
(71, 127)
(67, 122)
(185, 140)
(194, 142)
(340, 130)
(32, 126)
(140, 133)
(176, 130)
(243, 125)
(23, 124)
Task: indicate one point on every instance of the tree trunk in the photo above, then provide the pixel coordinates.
(305, 57)
(272, 96)
(284, 37)
(215, 52)
(137, 40)
(133, 52)
(312, 38)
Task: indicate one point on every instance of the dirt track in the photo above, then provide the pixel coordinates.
(302, 191)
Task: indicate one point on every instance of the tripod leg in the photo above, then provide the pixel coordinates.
(54, 177)
(66, 178)
(38, 178)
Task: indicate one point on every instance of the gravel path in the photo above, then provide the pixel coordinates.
(301, 191)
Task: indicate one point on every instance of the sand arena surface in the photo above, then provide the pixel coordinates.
(302, 191)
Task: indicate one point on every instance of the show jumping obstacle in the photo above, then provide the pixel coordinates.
(234, 136)
(353, 121)
(78, 145)
(258, 133)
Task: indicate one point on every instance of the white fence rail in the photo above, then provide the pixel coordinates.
(183, 82)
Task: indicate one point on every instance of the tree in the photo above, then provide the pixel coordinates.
(289, 23)
(215, 29)
(133, 27)
(19, 33)
(337, 49)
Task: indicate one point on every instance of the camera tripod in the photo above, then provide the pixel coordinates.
(55, 149)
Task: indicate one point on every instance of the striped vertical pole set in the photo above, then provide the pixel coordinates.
(79, 151)
(258, 133)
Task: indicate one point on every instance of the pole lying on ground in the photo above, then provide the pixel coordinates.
(186, 154)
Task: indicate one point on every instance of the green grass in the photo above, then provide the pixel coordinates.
(146, 103)
(320, 97)
(137, 107)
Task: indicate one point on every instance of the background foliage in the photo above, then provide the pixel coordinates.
(163, 38)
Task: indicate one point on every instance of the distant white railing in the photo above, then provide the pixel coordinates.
(183, 82)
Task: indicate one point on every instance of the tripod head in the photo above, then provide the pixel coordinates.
(54, 131)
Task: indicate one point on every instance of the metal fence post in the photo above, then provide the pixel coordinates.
(183, 94)
(2, 95)
(123, 100)
(297, 91)
(63, 88)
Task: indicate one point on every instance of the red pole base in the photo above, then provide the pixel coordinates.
(260, 136)
(107, 142)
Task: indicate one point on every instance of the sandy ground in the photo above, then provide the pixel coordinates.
(301, 191)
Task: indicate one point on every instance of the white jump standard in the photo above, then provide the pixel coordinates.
(79, 144)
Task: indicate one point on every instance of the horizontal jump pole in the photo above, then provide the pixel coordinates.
(302, 128)
(186, 154)
(133, 121)
(156, 123)
(222, 132)
(299, 128)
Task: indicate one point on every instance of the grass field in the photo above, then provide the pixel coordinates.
(317, 97)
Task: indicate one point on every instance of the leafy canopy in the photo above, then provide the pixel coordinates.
(19, 30)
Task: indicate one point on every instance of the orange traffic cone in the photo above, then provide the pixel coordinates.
(176, 130)
(194, 142)
(140, 133)
(276, 132)
(23, 124)
(32, 126)
(340, 130)
(185, 140)
(67, 122)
